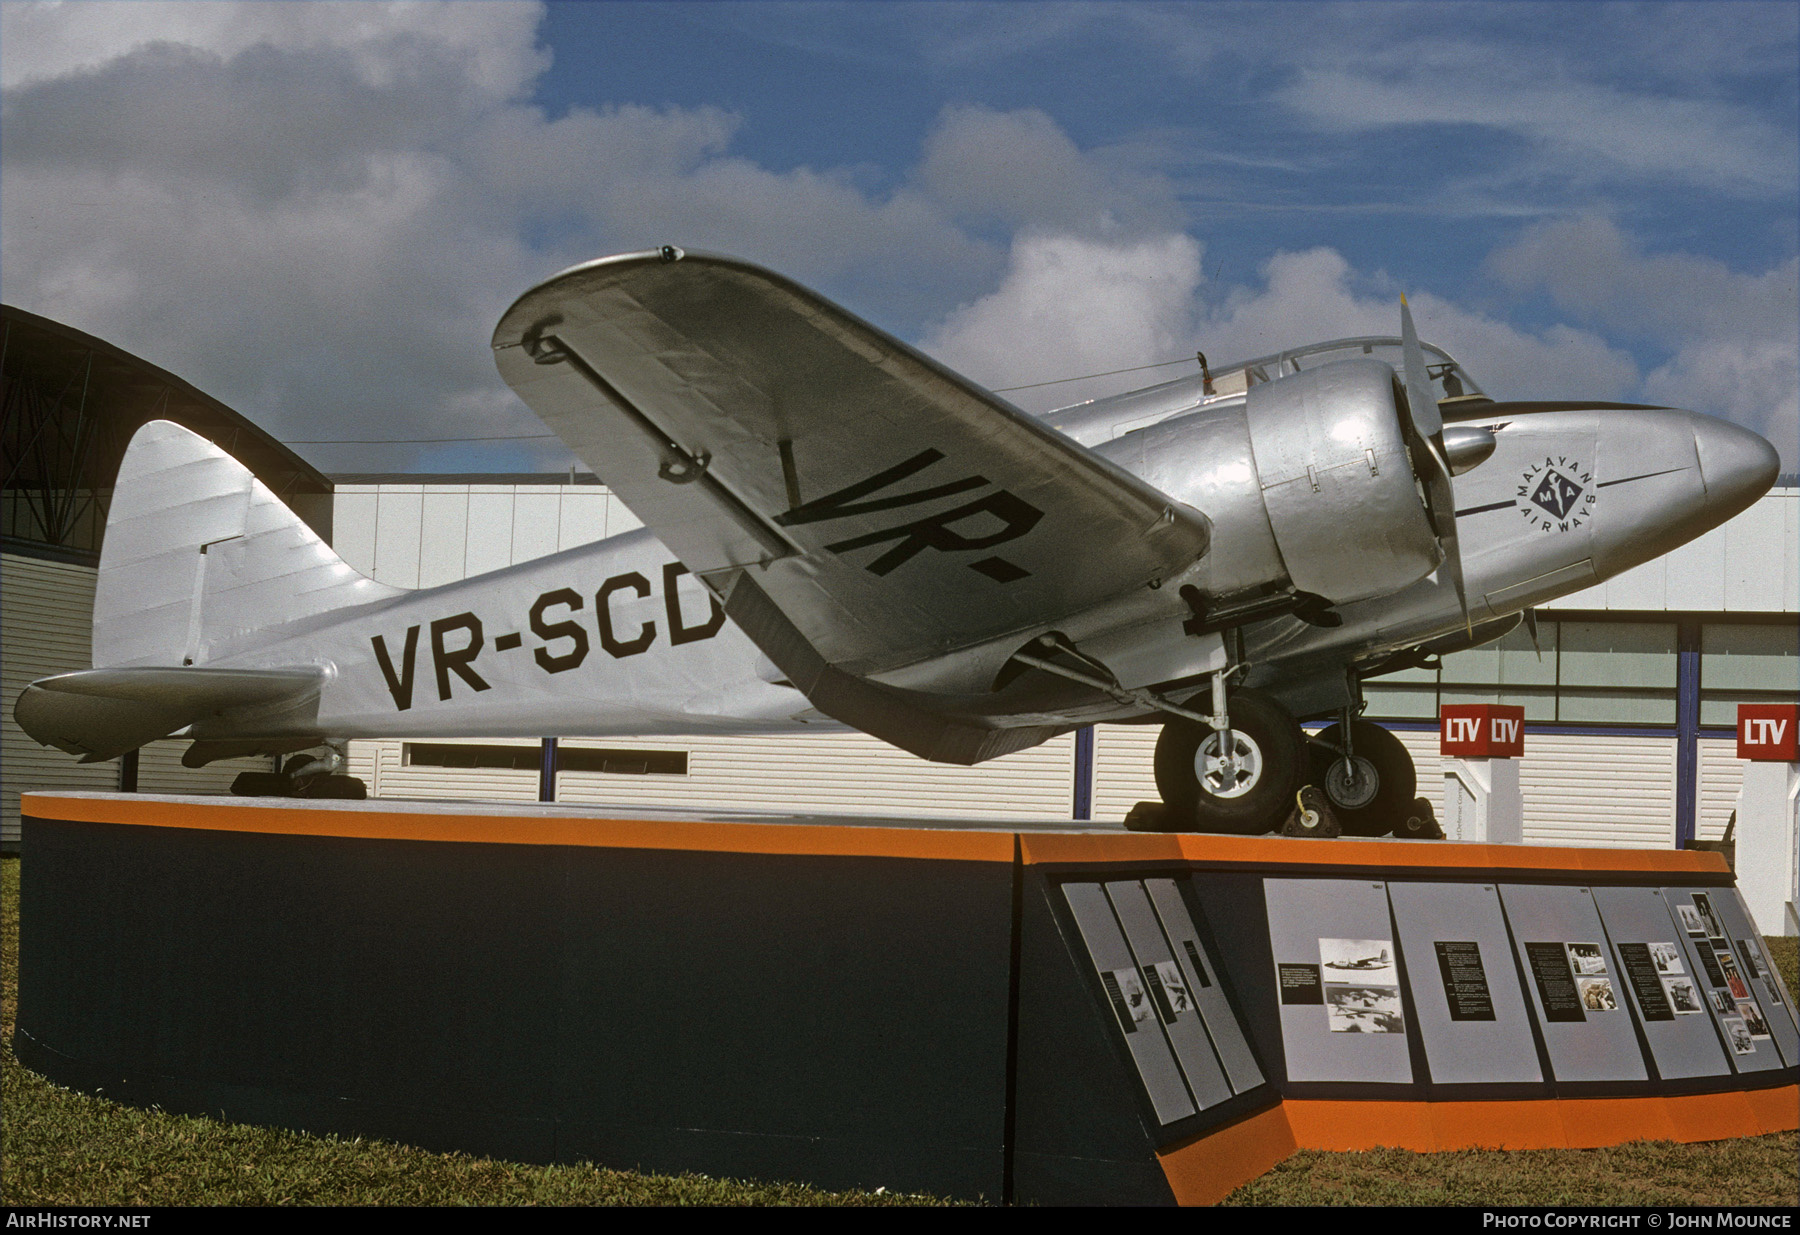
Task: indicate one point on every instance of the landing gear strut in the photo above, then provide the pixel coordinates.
(1240, 778)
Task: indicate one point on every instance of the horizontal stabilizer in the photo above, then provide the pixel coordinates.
(102, 713)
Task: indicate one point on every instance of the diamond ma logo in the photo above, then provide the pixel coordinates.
(1556, 495)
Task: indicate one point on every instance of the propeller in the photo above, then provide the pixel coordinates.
(1434, 468)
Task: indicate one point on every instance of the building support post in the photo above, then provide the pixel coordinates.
(1687, 732)
(1084, 773)
(547, 772)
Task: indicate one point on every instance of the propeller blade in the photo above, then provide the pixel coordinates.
(1531, 625)
(1419, 395)
(1434, 469)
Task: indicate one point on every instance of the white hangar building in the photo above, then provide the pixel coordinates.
(1630, 695)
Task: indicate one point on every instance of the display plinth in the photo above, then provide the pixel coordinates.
(1048, 1013)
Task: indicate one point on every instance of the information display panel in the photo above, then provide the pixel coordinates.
(1131, 1001)
(1771, 990)
(1465, 987)
(1572, 978)
(1337, 976)
(1222, 1023)
(1656, 975)
(1729, 973)
(1170, 992)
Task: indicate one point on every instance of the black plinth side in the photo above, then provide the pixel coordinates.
(835, 1019)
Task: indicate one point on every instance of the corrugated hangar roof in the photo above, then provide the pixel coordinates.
(71, 404)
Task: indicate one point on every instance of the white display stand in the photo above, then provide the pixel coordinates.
(1482, 802)
(1767, 833)
(1480, 745)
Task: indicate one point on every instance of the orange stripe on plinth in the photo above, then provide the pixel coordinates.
(1205, 1169)
(1777, 1110)
(1346, 1126)
(1181, 847)
(806, 840)
(1712, 1117)
(1498, 1125)
(1591, 1123)
(1211, 1166)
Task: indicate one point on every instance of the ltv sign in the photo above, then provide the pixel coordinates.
(1769, 732)
(1482, 730)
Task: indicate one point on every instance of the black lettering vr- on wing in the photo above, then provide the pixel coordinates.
(890, 510)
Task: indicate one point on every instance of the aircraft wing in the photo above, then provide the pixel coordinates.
(887, 509)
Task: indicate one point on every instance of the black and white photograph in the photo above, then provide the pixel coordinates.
(1753, 1019)
(1364, 961)
(1772, 989)
(1587, 958)
(1690, 920)
(1667, 957)
(1131, 990)
(1364, 1009)
(1738, 1034)
(1597, 994)
(1703, 906)
(1683, 998)
(1174, 987)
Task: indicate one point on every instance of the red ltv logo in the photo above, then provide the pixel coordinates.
(1769, 732)
(1482, 730)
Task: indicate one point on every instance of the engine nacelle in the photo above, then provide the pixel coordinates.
(1337, 482)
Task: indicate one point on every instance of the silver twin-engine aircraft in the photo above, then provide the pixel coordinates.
(838, 528)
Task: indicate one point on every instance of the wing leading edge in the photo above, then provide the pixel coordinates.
(883, 510)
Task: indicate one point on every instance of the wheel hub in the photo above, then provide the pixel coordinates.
(1352, 783)
(1232, 772)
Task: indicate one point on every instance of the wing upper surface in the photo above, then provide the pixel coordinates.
(891, 509)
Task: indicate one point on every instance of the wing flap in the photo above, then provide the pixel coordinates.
(890, 509)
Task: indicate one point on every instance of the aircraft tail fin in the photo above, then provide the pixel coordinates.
(200, 555)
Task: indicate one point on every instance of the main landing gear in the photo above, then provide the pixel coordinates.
(314, 774)
(1241, 776)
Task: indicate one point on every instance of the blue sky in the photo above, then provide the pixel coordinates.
(317, 211)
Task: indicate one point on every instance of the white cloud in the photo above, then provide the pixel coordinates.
(317, 212)
(41, 40)
(1070, 305)
(1734, 337)
(1311, 296)
(1584, 126)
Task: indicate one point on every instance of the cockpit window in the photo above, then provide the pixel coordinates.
(1451, 381)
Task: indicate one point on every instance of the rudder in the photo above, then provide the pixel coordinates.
(199, 555)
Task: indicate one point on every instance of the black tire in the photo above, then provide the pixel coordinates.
(1263, 729)
(347, 788)
(1396, 778)
(262, 785)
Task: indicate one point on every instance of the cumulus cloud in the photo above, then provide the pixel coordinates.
(317, 212)
(1732, 338)
(1020, 169)
(1070, 305)
(1315, 295)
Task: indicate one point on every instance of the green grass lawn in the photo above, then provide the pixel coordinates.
(59, 1147)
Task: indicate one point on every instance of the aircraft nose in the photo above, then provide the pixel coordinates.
(1736, 465)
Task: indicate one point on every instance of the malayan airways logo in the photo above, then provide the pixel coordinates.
(1557, 494)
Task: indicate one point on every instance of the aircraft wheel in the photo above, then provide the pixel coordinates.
(262, 785)
(1371, 792)
(347, 788)
(1245, 790)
